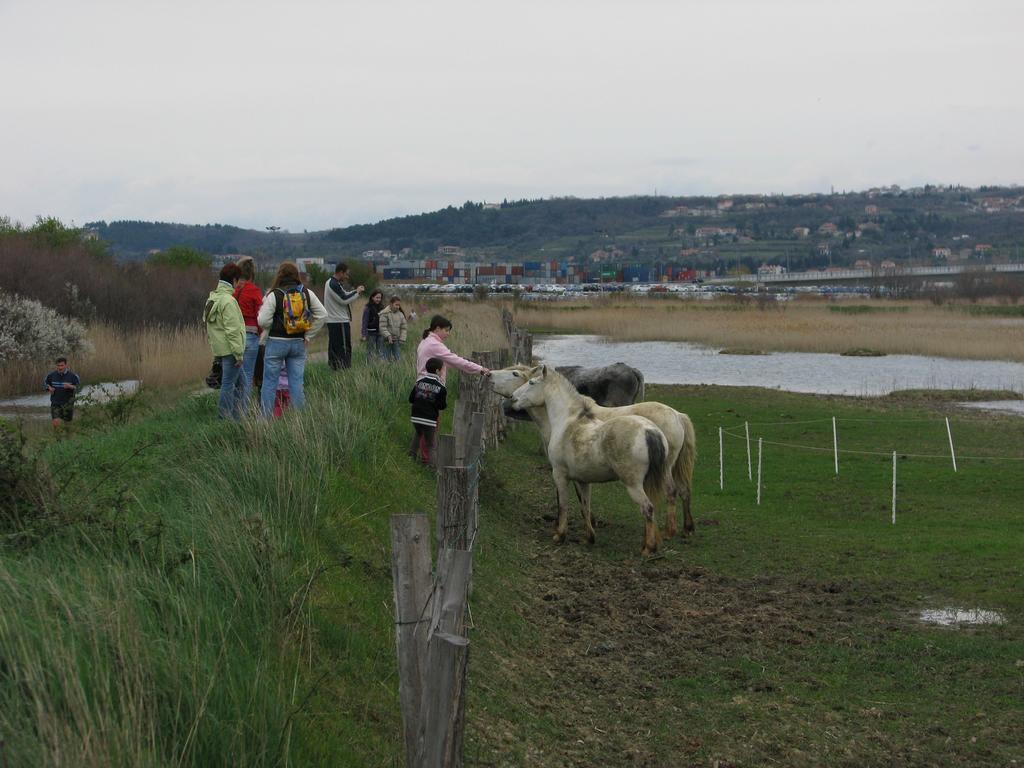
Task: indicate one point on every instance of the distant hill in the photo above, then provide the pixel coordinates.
(803, 230)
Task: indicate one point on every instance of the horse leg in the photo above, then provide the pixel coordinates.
(562, 491)
(652, 536)
(688, 526)
(670, 511)
(583, 493)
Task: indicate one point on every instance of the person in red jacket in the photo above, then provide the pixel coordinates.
(249, 298)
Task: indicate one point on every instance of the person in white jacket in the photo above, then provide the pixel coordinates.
(285, 346)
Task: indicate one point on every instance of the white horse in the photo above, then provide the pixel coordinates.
(676, 426)
(585, 450)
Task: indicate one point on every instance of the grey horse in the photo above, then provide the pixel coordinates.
(612, 386)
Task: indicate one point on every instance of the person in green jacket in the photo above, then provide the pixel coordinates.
(225, 330)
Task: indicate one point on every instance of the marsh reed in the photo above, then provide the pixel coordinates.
(803, 325)
(161, 357)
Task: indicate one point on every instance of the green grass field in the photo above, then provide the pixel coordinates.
(210, 594)
(786, 633)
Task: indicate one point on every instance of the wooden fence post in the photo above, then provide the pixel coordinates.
(444, 452)
(411, 588)
(460, 429)
(447, 653)
(454, 508)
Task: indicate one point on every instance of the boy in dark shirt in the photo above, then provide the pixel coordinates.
(62, 384)
(429, 397)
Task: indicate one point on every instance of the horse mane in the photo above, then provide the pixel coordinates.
(579, 401)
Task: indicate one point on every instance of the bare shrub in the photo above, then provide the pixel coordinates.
(80, 282)
(30, 330)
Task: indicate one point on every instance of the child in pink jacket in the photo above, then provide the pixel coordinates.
(433, 346)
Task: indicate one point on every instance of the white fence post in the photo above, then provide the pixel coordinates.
(750, 473)
(949, 433)
(894, 487)
(759, 470)
(721, 461)
(835, 443)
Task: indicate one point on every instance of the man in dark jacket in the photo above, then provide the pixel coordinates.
(429, 397)
(62, 384)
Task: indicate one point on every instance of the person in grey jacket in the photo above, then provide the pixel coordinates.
(337, 301)
(393, 328)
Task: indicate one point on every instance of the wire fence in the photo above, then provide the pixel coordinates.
(832, 425)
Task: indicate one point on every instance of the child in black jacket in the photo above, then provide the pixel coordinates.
(429, 397)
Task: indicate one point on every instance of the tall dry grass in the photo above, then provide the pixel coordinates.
(161, 357)
(908, 327)
(476, 326)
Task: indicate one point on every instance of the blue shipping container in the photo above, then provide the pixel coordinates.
(397, 273)
(636, 274)
(531, 266)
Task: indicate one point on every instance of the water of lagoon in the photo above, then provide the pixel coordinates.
(674, 362)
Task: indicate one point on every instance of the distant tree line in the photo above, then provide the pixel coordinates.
(562, 227)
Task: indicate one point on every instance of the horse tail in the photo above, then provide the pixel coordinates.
(657, 465)
(682, 470)
(639, 396)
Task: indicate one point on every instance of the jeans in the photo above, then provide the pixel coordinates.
(226, 407)
(290, 353)
(244, 384)
(339, 345)
(392, 349)
(374, 347)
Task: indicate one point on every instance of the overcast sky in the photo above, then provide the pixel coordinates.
(310, 114)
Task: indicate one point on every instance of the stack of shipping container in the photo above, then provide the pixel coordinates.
(532, 272)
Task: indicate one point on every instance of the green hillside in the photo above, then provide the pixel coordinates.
(801, 230)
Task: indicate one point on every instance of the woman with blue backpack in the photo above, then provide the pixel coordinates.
(292, 316)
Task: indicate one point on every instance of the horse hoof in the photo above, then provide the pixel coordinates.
(559, 538)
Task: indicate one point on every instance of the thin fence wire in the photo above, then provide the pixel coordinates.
(854, 451)
(841, 419)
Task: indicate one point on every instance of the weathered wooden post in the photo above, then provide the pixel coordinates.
(412, 587)
(444, 452)
(442, 724)
(454, 508)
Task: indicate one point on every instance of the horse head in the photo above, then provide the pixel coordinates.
(532, 394)
(507, 380)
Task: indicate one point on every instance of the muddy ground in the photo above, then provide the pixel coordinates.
(660, 662)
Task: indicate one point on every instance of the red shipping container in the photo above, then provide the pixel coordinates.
(517, 270)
